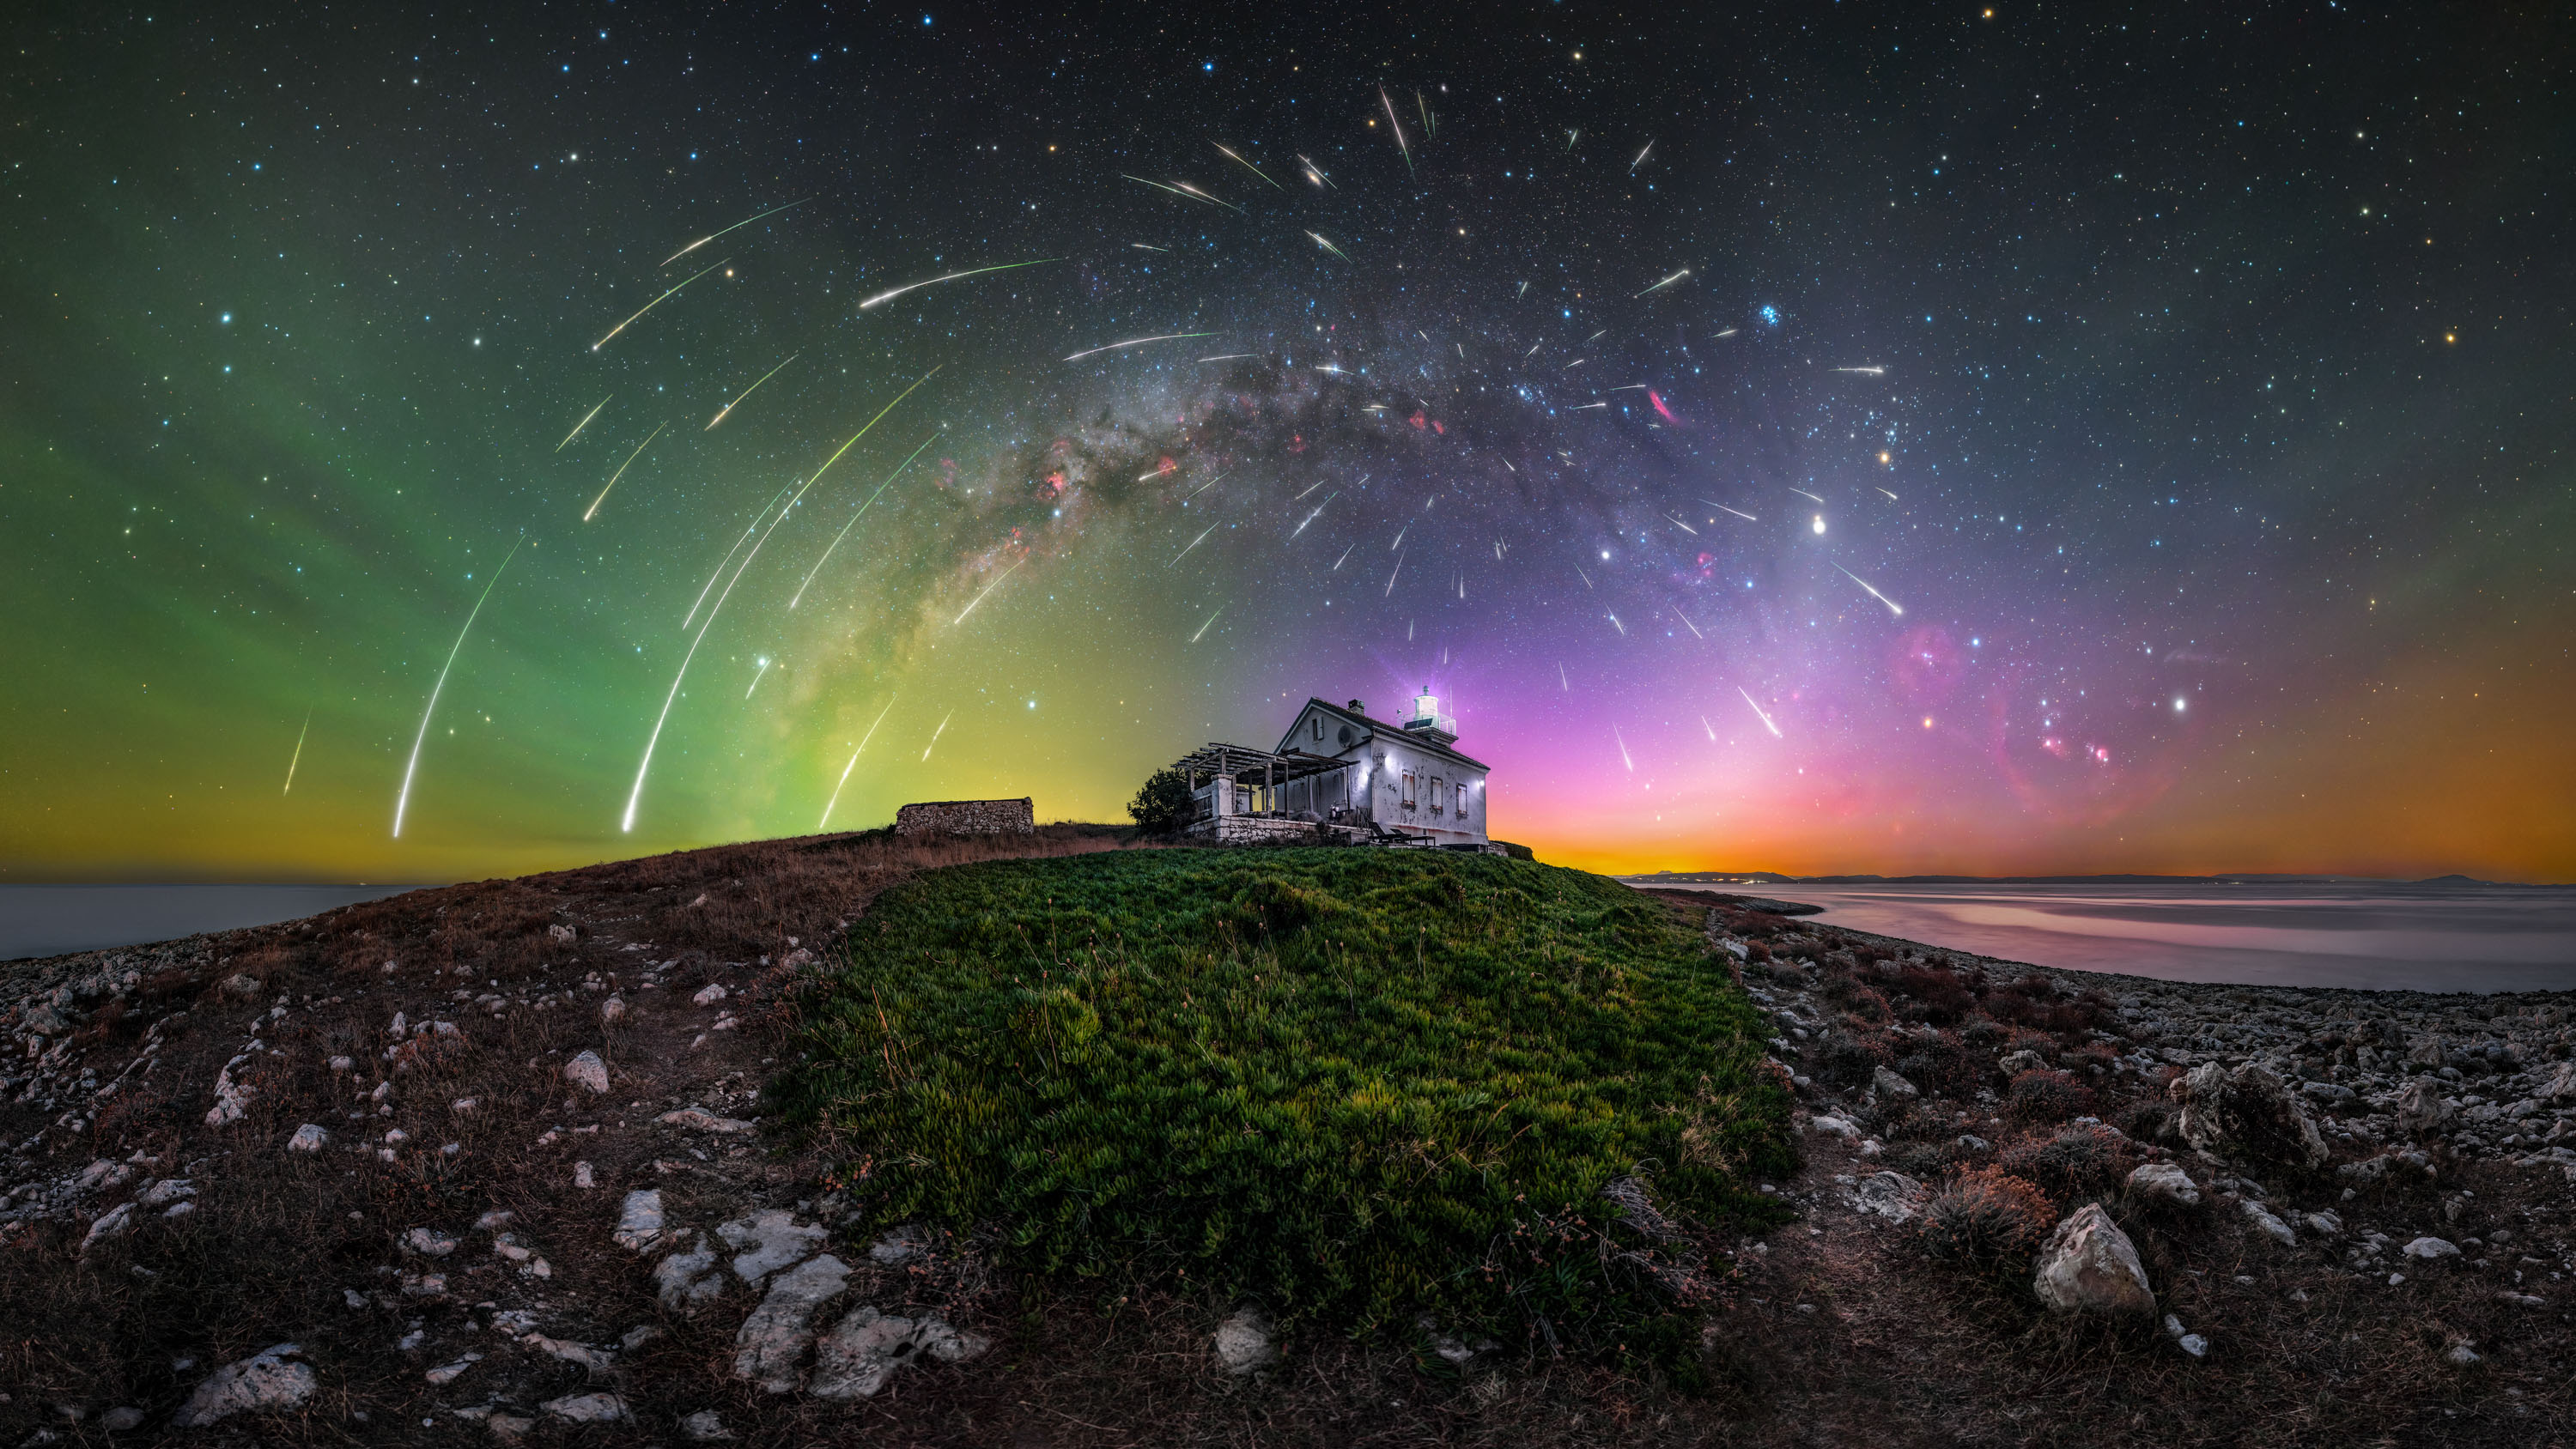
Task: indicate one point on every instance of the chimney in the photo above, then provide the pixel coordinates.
(1357, 708)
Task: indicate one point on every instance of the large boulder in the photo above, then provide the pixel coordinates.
(2420, 1108)
(2248, 1113)
(2090, 1266)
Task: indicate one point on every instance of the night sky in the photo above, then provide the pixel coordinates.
(1863, 438)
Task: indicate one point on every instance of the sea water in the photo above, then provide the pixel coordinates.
(49, 920)
(2372, 935)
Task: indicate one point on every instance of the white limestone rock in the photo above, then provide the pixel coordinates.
(587, 1071)
(859, 1355)
(639, 1220)
(267, 1381)
(2090, 1266)
(770, 1348)
(769, 1241)
(2163, 1182)
(1244, 1344)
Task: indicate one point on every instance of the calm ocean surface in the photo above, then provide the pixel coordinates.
(48, 920)
(2354, 934)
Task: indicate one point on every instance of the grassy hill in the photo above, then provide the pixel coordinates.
(1354, 1086)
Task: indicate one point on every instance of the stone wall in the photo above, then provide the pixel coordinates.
(966, 817)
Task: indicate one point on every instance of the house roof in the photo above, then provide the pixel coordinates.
(1420, 742)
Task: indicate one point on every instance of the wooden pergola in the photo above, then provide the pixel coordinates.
(1239, 762)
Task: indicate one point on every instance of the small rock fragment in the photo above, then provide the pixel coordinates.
(122, 1419)
(639, 1220)
(1243, 1342)
(686, 1280)
(428, 1244)
(113, 1222)
(265, 1381)
(447, 1373)
(1890, 1084)
(587, 1408)
(706, 1426)
(709, 994)
(2190, 1343)
(859, 1355)
(2165, 1183)
(2429, 1249)
(311, 1137)
(587, 1071)
(2461, 1356)
(1891, 1195)
(612, 1010)
(703, 1120)
(2268, 1225)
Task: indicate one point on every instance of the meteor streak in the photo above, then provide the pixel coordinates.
(746, 392)
(1687, 624)
(1318, 513)
(710, 584)
(755, 678)
(1666, 282)
(585, 422)
(299, 752)
(1345, 558)
(1328, 246)
(621, 472)
(935, 734)
(1615, 624)
(1803, 493)
(1738, 512)
(656, 302)
(1193, 543)
(1623, 749)
(979, 598)
(853, 523)
(854, 760)
(1891, 497)
(953, 276)
(1390, 577)
(1211, 623)
(1641, 158)
(1315, 173)
(1684, 527)
(1248, 166)
(1864, 371)
(1400, 144)
(1757, 709)
(1712, 729)
(1187, 190)
(402, 801)
(711, 236)
(1137, 342)
(1228, 356)
(1892, 606)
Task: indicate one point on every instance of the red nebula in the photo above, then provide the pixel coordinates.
(1653, 397)
(1418, 421)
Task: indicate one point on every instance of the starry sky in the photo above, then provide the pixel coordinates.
(1849, 437)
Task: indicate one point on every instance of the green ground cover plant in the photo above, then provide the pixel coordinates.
(1357, 1086)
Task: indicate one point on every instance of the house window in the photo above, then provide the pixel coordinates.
(1408, 789)
(1319, 729)
(1436, 795)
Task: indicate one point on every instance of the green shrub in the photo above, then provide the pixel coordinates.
(2082, 1160)
(1356, 1085)
(1987, 1218)
(1163, 804)
(2041, 1096)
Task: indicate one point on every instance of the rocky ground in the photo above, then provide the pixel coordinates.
(484, 1164)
